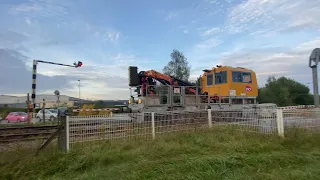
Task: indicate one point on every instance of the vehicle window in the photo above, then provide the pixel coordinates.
(10, 114)
(209, 79)
(242, 77)
(40, 111)
(22, 113)
(53, 111)
(221, 77)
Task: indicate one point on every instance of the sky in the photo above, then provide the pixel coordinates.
(271, 37)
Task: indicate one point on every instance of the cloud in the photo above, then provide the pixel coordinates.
(15, 77)
(11, 39)
(97, 82)
(41, 8)
(170, 16)
(209, 43)
(211, 31)
(28, 20)
(112, 36)
(275, 15)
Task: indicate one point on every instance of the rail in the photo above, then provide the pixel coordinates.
(25, 133)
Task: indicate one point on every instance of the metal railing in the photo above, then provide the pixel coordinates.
(152, 124)
(308, 119)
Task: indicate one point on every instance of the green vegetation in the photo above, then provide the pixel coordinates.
(178, 66)
(285, 92)
(209, 154)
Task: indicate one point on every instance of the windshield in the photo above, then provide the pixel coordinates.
(22, 113)
(53, 111)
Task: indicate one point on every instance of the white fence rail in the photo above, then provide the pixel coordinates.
(150, 125)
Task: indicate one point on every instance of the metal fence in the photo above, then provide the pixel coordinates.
(308, 119)
(149, 125)
(254, 120)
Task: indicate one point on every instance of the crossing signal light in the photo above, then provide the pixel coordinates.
(79, 64)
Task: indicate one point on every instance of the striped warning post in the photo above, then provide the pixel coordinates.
(34, 79)
(34, 82)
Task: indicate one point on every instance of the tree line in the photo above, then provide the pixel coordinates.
(282, 91)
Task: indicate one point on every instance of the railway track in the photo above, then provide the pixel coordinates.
(26, 133)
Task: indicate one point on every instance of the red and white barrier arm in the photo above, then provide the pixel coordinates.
(104, 109)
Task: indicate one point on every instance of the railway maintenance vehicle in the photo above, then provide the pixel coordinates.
(222, 87)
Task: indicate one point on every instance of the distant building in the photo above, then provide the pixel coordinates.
(50, 100)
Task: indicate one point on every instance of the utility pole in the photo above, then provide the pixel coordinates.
(313, 64)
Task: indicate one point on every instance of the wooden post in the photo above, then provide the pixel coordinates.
(62, 138)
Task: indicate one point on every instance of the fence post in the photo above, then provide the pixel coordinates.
(153, 126)
(280, 122)
(63, 134)
(209, 118)
(67, 134)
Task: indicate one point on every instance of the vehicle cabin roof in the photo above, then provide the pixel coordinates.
(227, 68)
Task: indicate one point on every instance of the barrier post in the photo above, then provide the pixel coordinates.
(280, 122)
(209, 118)
(153, 126)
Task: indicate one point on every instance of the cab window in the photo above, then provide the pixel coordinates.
(241, 77)
(209, 79)
(220, 77)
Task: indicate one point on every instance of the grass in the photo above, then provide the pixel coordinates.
(209, 154)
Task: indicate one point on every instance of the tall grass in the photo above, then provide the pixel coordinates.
(210, 154)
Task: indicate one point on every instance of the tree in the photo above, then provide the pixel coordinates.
(178, 66)
(284, 92)
(196, 82)
(99, 104)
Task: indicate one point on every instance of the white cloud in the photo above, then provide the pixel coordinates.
(275, 15)
(28, 7)
(308, 46)
(209, 43)
(43, 8)
(97, 81)
(112, 36)
(211, 31)
(28, 20)
(170, 16)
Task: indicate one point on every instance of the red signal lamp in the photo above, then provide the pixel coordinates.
(79, 64)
